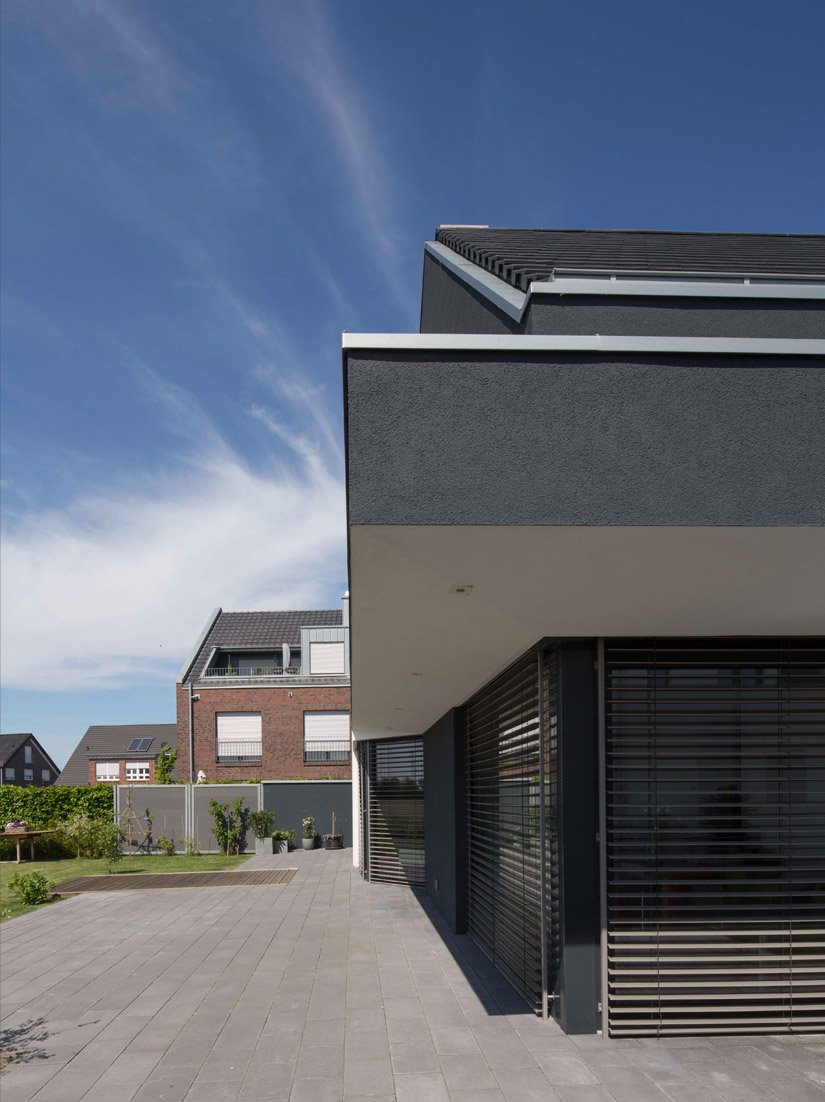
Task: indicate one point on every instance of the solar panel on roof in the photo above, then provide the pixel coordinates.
(139, 745)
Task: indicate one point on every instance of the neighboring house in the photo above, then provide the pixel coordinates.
(119, 754)
(586, 510)
(266, 695)
(23, 761)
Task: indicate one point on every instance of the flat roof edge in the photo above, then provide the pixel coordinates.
(507, 342)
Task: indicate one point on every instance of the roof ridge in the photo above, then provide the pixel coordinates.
(637, 229)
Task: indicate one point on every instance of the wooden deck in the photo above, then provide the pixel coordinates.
(132, 880)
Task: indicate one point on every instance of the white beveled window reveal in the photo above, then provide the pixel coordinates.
(326, 736)
(107, 771)
(137, 770)
(238, 737)
(326, 658)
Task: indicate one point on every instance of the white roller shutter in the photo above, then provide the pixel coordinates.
(326, 658)
(239, 733)
(326, 727)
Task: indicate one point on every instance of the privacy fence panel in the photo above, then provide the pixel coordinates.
(715, 766)
(202, 819)
(292, 801)
(156, 809)
(512, 784)
(395, 810)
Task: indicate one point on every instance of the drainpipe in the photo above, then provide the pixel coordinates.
(192, 699)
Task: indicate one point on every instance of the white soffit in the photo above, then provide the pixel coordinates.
(419, 649)
(667, 284)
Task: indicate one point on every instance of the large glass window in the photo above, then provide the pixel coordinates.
(137, 770)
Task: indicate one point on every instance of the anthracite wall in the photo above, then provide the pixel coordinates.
(292, 800)
(675, 317)
(448, 305)
(445, 817)
(575, 439)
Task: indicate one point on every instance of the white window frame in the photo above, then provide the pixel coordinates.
(327, 658)
(46, 775)
(107, 772)
(28, 774)
(137, 770)
(27, 754)
(8, 773)
(238, 736)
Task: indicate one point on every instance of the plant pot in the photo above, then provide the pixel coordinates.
(333, 841)
(264, 845)
(283, 846)
(308, 843)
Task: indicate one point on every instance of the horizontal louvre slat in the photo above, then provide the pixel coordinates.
(504, 759)
(395, 769)
(715, 796)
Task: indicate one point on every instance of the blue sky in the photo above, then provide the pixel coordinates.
(198, 197)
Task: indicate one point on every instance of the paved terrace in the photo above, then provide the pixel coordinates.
(324, 988)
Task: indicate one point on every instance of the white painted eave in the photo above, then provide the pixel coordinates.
(508, 342)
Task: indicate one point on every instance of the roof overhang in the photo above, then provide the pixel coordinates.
(421, 647)
(568, 281)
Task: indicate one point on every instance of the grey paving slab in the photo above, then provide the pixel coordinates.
(323, 988)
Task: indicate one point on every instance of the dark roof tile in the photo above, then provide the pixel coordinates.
(520, 256)
(112, 741)
(262, 629)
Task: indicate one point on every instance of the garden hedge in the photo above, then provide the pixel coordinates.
(42, 807)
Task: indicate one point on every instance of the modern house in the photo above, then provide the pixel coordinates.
(586, 512)
(122, 753)
(24, 762)
(267, 695)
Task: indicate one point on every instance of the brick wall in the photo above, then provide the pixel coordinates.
(282, 731)
(122, 763)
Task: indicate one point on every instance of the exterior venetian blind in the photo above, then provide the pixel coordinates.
(512, 869)
(715, 762)
(395, 819)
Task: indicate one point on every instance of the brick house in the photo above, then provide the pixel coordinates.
(267, 694)
(121, 753)
(24, 762)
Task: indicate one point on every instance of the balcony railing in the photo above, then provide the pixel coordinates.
(239, 752)
(252, 671)
(328, 750)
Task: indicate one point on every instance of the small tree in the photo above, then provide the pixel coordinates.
(220, 827)
(165, 765)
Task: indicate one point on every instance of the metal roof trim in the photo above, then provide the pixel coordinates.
(508, 342)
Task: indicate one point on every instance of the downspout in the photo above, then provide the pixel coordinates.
(192, 700)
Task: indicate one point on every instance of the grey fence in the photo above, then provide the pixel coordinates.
(293, 800)
(181, 811)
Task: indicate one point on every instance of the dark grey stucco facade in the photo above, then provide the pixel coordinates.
(586, 511)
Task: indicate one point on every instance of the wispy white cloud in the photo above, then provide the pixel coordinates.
(304, 41)
(113, 587)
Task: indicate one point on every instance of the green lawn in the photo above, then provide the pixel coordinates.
(66, 869)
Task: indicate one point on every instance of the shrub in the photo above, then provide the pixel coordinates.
(30, 888)
(165, 765)
(44, 807)
(309, 826)
(165, 845)
(261, 823)
(190, 847)
(91, 837)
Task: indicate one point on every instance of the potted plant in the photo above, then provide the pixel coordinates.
(283, 838)
(308, 840)
(333, 840)
(261, 823)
